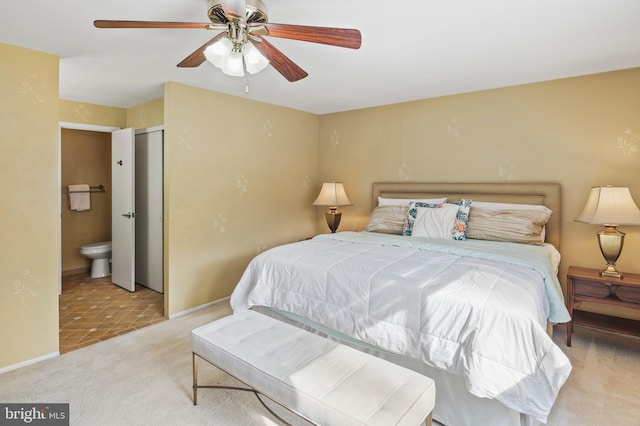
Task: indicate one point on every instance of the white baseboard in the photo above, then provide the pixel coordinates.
(29, 362)
(197, 308)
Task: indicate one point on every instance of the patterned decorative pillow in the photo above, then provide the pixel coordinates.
(462, 219)
(388, 219)
(458, 231)
(435, 223)
(410, 217)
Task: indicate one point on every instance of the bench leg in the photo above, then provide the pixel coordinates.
(195, 377)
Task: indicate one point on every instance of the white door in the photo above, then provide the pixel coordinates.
(149, 209)
(123, 222)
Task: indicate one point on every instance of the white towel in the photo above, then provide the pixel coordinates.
(79, 197)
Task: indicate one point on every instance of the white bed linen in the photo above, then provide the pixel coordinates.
(455, 406)
(479, 316)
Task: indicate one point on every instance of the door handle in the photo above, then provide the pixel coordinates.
(129, 215)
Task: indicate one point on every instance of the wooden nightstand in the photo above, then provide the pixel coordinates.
(587, 285)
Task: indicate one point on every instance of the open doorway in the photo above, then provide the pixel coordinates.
(85, 158)
(93, 309)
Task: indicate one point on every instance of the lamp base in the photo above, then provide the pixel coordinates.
(611, 242)
(611, 271)
(333, 217)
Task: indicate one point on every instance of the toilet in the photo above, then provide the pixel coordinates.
(100, 253)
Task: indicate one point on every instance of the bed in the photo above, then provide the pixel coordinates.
(471, 311)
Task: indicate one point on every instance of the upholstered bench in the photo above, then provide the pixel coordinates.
(321, 380)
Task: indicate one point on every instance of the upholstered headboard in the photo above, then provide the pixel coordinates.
(544, 193)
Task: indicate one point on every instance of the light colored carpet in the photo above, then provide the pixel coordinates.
(604, 385)
(140, 378)
(144, 378)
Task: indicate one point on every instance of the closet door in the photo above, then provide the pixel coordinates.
(149, 209)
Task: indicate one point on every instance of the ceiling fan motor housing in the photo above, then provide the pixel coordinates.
(256, 12)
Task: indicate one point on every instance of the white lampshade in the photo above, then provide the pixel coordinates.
(232, 59)
(253, 59)
(332, 194)
(218, 52)
(233, 65)
(610, 205)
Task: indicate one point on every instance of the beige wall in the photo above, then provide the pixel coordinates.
(92, 114)
(29, 204)
(85, 158)
(240, 177)
(581, 132)
(146, 115)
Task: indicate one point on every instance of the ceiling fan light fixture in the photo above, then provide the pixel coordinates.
(254, 60)
(218, 52)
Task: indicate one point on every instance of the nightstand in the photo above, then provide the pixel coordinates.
(587, 285)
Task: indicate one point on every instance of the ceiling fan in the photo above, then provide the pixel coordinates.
(241, 44)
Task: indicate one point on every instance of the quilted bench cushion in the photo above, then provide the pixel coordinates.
(322, 380)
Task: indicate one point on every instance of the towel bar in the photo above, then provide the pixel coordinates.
(98, 188)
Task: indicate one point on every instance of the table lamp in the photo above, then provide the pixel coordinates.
(610, 206)
(333, 195)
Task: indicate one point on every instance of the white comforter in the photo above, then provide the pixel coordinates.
(473, 308)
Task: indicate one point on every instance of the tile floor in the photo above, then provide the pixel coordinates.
(94, 309)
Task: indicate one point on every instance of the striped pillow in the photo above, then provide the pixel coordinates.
(387, 219)
(513, 225)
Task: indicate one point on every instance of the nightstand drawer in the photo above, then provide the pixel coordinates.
(591, 289)
(628, 294)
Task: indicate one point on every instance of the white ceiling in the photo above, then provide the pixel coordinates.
(410, 50)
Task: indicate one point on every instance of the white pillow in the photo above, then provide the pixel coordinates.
(405, 201)
(435, 222)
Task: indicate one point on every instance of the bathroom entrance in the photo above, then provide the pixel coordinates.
(94, 309)
(86, 157)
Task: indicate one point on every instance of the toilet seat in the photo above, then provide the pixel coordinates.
(96, 248)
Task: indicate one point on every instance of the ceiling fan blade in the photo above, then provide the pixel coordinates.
(279, 61)
(197, 57)
(235, 8)
(341, 37)
(148, 24)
